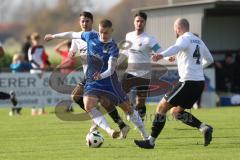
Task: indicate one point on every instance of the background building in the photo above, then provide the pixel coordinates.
(216, 22)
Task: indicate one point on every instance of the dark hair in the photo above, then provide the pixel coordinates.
(69, 43)
(87, 14)
(105, 23)
(141, 14)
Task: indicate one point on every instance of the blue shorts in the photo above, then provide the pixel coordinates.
(113, 92)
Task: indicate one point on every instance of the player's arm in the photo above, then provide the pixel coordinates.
(157, 49)
(207, 57)
(167, 53)
(181, 44)
(58, 47)
(155, 46)
(64, 35)
(73, 49)
(112, 64)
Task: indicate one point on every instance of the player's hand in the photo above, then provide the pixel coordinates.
(97, 76)
(157, 57)
(172, 58)
(48, 37)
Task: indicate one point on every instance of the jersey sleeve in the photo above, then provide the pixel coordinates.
(182, 42)
(74, 46)
(114, 51)
(86, 36)
(68, 35)
(155, 46)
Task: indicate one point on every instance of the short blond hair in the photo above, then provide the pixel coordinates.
(35, 36)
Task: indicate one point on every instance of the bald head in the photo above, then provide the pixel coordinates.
(181, 26)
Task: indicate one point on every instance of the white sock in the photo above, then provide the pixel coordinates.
(136, 119)
(151, 140)
(99, 119)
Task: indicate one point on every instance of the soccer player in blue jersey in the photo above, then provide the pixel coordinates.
(102, 83)
(78, 45)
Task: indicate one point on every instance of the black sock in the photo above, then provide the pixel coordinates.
(80, 103)
(4, 95)
(18, 110)
(158, 124)
(188, 119)
(13, 110)
(116, 118)
(141, 110)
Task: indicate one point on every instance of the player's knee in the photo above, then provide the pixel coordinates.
(88, 108)
(126, 107)
(174, 112)
(163, 106)
(74, 97)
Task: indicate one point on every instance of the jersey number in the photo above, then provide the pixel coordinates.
(197, 55)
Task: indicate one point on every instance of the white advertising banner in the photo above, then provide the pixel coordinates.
(51, 88)
(36, 90)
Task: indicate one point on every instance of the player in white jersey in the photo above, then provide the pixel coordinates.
(192, 57)
(78, 45)
(138, 74)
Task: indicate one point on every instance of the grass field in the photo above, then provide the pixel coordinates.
(48, 138)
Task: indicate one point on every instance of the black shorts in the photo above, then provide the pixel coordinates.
(130, 81)
(185, 94)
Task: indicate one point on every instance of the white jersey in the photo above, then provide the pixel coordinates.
(139, 54)
(78, 45)
(192, 57)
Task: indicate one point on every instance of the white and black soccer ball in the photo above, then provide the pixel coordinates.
(94, 139)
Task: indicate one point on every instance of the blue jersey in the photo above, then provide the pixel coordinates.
(98, 54)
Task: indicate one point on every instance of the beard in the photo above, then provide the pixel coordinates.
(177, 35)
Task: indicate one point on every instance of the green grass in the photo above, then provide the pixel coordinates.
(48, 138)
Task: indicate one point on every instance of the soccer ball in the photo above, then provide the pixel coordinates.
(94, 139)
